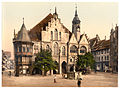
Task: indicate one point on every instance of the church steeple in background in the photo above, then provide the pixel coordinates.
(76, 23)
(76, 11)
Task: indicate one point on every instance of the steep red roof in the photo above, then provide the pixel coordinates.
(103, 44)
(35, 32)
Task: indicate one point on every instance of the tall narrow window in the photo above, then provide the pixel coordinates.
(19, 49)
(51, 35)
(63, 50)
(23, 49)
(28, 49)
(60, 35)
(56, 34)
(56, 49)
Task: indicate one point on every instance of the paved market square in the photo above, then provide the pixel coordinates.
(100, 79)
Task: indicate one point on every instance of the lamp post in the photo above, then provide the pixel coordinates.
(74, 64)
(43, 70)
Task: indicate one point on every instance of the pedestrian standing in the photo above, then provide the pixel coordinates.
(79, 77)
(9, 73)
(55, 79)
(79, 83)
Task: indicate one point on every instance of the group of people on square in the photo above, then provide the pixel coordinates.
(79, 78)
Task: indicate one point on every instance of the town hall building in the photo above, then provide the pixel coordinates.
(51, 34)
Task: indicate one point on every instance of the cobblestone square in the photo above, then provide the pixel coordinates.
(100, 79)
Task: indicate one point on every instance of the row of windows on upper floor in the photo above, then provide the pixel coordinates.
(55, 35)
(73, 49)
(101, 52)
(56, 49)
(103, 58)
(23, 49)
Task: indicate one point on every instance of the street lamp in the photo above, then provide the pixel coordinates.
(43, 70)
(74, 64)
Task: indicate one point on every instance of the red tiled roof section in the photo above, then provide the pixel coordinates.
(36, 30)
(103, 44)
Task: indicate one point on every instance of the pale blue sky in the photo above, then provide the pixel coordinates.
(96, 18)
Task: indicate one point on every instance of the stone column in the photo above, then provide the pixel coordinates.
(51, 72)
(74, 68)
(60, 69)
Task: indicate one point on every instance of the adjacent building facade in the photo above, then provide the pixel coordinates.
(101, 53)
(114, 49)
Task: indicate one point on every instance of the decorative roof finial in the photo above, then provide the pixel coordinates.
(14, 33)
(76, 10)
(55, 10)
(50, 10)
(23, 20)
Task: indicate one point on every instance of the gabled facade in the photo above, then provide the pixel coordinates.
(52, 35)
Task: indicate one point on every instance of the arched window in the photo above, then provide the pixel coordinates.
(60, 35)
(73, 49)
(56, 49)
(56, 34)
(63, 50)
(47, 47)
(51, 35)
(83, 49)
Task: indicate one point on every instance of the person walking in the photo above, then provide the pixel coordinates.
(55, 79)
(79, 77)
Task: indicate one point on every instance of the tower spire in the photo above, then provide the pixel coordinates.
(55, 10)
(23, 20)
(76, 10)
(14, 33)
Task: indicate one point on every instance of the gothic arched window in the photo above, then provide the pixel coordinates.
(83, 49)
(60, 35)
(63, 50)
(51, 35)
(56, 48)
(73, 49)
(56, 34)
